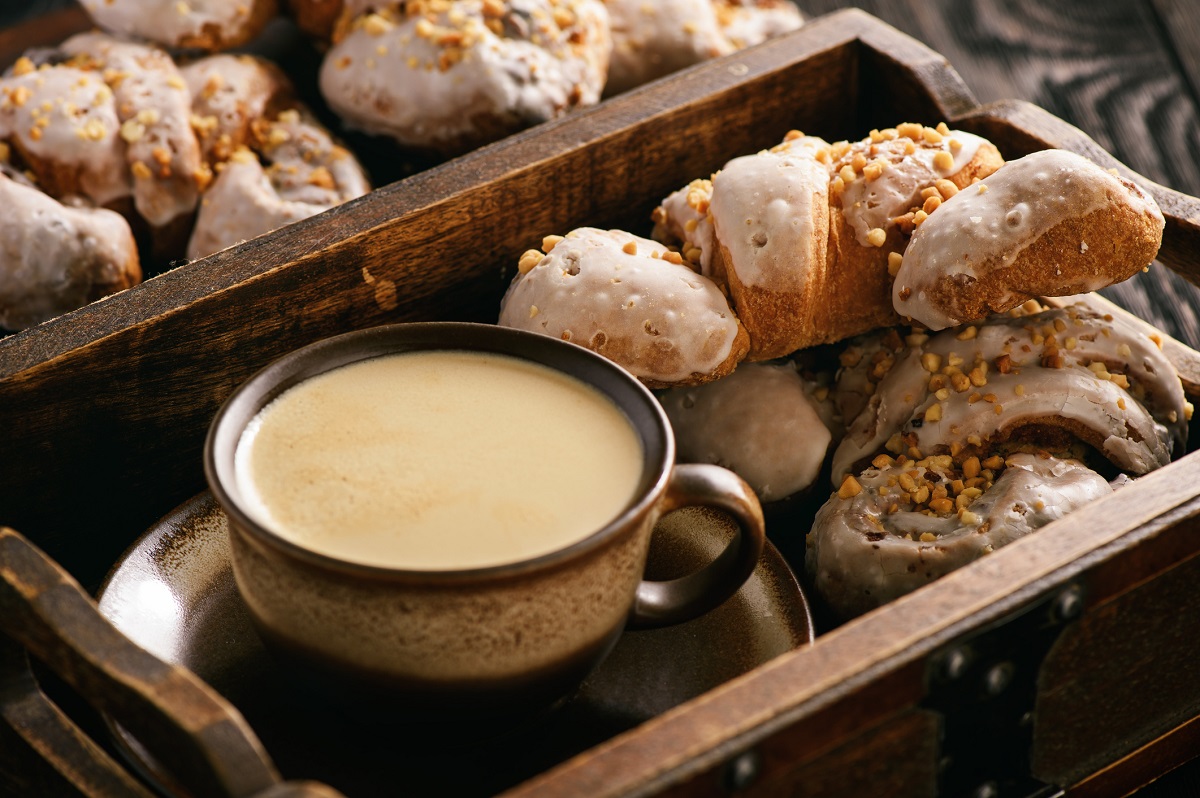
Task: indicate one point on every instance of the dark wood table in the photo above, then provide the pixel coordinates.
(1127, 72)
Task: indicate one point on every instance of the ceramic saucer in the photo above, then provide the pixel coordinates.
(173, 593)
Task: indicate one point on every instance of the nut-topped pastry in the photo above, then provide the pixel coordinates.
(55, 258)
(901, 524)
(808, 235)
(654, 39)
(275, 163)
(202, 24)
(762, 422)
(1044, 380)
(448, 75)
(1024, 232)
(631, 300)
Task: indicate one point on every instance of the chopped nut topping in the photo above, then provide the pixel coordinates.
(850, 488)
(531, 258)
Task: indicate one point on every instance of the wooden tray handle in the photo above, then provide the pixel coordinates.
(1040, 129)
(199, 737)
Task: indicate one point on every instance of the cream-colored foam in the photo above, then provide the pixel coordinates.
(438, 460)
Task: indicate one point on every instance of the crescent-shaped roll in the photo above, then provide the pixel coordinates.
(1049, 224)
(805, 235)
(55, 258)
(1044, 380)
(761, 422)
(897, 527)
(631, 300)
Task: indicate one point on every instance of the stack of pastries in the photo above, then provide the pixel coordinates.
(448, 75)
(870, 311)
(107, 141)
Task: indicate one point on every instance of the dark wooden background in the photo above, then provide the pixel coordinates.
(1127, 72)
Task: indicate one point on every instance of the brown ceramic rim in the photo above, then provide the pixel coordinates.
(632, 398)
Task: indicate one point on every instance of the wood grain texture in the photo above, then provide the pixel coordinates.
(202, 739)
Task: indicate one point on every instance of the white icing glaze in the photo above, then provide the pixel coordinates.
(989, 228)
(385, 77)
(661, 321)
(759, 422)
(175, 22)
(763, 207)
(54, 258)
(154, 106)
(870, 204)
(861, 556)
(66, 117)
(1138, 437)
(652, 39)
(308, 174)
(229, 92)
(746, 23)
(683, 217)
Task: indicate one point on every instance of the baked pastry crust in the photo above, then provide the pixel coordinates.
(195, 24)
(1049, 224)
(631, 300)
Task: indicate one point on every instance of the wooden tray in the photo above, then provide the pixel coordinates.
(1061, 660)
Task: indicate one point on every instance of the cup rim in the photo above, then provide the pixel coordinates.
(343, 349)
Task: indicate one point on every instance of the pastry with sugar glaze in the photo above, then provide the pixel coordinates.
(875, 541)
(1042, 381)
(761, 422)
(806, 236)
(454, 74)
(201, 24)
(55, 258)
(1049, 224)
(631, 300)
(276, 164)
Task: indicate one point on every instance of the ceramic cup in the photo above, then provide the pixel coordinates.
(483, 640)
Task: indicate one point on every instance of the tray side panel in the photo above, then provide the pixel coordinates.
(1123, 676)
(109, 405)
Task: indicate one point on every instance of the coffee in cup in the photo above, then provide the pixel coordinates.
(458, 515)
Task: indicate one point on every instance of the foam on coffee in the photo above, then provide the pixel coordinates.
(438, 461)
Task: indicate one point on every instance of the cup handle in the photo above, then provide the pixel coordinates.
(678, 600)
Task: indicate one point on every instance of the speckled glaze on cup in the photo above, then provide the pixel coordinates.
(482, 640)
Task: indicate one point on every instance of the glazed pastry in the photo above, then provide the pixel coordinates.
(153, 106)
(746, 23)
(454, 74)
(244, 110)
(654, 39)
(899, 526)
(761, 422)
(203, 24)
(1049, 224)
(1043, 381)
(804, 234)
(55, 258)
(631, 300)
